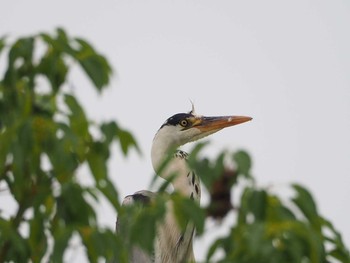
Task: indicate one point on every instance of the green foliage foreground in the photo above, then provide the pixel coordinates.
(45, 137)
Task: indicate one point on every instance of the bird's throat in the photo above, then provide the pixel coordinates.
(171, 165)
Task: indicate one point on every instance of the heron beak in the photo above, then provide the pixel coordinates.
(212, 124)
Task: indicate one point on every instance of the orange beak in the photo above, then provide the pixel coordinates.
(207, 124)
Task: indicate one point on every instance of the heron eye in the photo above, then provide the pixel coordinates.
(183, 123)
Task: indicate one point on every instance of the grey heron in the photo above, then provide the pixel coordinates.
(173, 245)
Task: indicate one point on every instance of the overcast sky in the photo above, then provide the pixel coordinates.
(285, 63)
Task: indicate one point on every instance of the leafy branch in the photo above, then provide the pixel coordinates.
(50, 129)
(45, 137)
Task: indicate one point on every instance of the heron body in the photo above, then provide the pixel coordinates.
(172, 244)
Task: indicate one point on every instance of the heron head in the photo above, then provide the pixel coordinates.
(188, 127)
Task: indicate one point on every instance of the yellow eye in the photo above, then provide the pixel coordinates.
(183, 123)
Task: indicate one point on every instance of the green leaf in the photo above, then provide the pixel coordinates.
(72, 207)
(137, 222)
(307, 205)
(144, 221)
(61, 237)
(107, 188)
(258, 204)
(127, 141)
(30, 133)
(20, 61)
(203, 168)
(244, 205)
(186, 211)
(144, 230)
(6, 138)
(340, 255)
(94, 65)
(195, 151)
(45, 105)
(23, 48)
(102, 243)
(16, 246)
(37, 237)
(277, 211)
(218, 243)
(339, 250)
(2, 43)
(96, 158)
(53, 66)
(110, 130)
(207, 170)
(63, 160)
(77, 118)
(243, 163)
(62, 36)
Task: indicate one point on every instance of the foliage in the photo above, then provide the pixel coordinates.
(45, 137)
(268, 228)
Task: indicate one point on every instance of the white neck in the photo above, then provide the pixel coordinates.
(163, 148)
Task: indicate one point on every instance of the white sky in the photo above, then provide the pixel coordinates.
(285, 63)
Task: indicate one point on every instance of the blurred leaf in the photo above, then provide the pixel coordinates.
(20, 61)
(72, 207)
(63, 160)
(95, 65)
(75, 145)
(24, 161)
(102, 243)
(23, 48)
(203, 168)
(45, 105)
(37, 237)
(107, 188)
(13, 243)
(307, 205)
(198, 147)
(277, 211)
(258, 204)
(42, 147)
(127, 141)
(207, 170)
(77, 118)
(340, 255)
(137, 222)
(110, 130)
(338, 249)
(2, 43)
(243, 163)
(144, 228)
(53, 66)
(62, 36)
(6, 138)
(186, 211)
(96, 158)
(244, 206)
(61, 237)
(144, 231)
(218, 243)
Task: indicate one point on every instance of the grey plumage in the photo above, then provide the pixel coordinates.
(173, 245)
